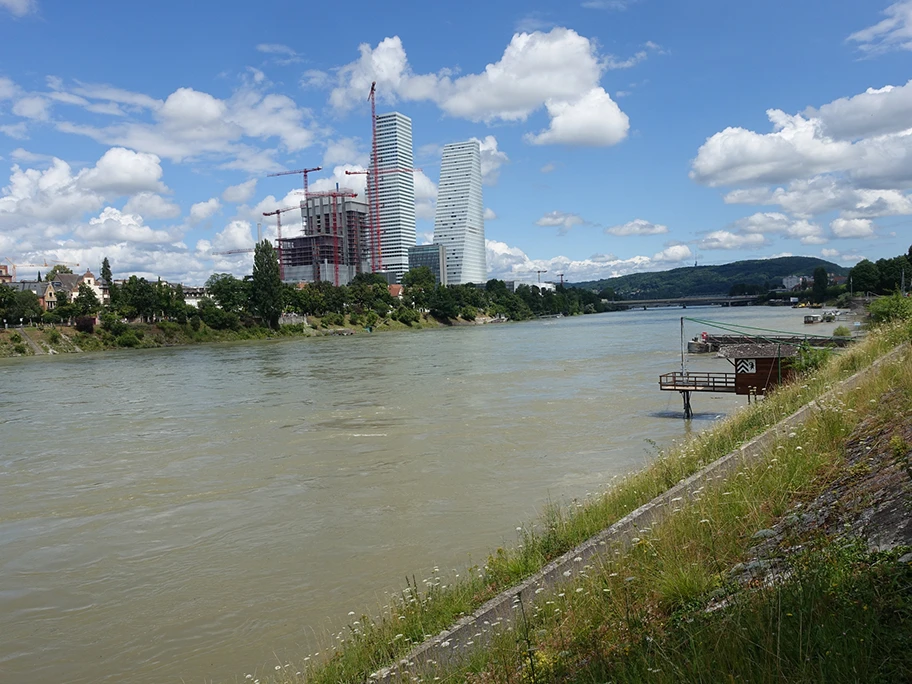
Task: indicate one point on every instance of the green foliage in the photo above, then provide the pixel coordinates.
(128, 339)
(266, 286)
(20, 349)
(332, 318)
(85, 324)
(842, 331)
(54, 337)
(810, 358)
(468, 313)
(865, 277)
(15, 338)
(231, 295)
(195, 322)
(52, 274)
(86, 301)
(821, 281)
(217, 318)
(896, 307)
(112, 324)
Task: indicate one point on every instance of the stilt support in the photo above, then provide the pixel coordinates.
(688, 412)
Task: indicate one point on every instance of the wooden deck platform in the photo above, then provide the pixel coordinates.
(697, 382)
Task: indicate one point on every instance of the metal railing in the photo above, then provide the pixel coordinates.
(697, 382)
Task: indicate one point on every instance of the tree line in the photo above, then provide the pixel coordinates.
(261, 298)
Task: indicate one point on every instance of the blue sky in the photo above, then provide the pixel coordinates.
(617, 135)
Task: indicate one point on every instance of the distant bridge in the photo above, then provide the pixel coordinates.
(708, 300)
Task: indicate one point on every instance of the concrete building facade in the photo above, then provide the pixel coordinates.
(459, 219)
(334, 228)
(396, 191)
(432, 256)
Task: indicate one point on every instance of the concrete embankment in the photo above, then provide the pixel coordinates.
(452, 646)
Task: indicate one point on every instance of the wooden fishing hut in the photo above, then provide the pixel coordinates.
(758, 368)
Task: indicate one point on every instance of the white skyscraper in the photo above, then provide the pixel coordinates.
(396, 191)
(459, 221)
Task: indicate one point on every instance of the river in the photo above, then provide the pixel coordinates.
(194, 514)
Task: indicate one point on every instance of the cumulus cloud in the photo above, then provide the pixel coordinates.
(559, 70)
(32, 107)
(563, 220)
(491, 159)
(344, 151)
(724, 239)
(113, 226)
(511, 263)
(775, 223)
(242, 192)
(892, 33)
(877, 111)
(852, 228)
(425, 196)
(203, 210)
(489, 214)
(190, 124)
(124, 172)
(150, 205)
(637, 227)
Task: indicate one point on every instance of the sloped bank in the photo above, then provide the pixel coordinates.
(501, 613)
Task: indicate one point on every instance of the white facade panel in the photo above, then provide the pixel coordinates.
(459, 220)
(396, 191)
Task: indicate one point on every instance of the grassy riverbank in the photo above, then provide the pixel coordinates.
(63, 339)
(642, 614)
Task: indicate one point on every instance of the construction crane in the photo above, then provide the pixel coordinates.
(561, 276)
(303, 172)
(278, 214)
(377, 260)
(335, 195)
(248, 250)
(540, 274)
(45, 264)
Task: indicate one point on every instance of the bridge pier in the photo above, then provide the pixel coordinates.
(688, 411)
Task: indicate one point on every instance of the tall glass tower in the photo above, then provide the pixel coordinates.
(459, 221)
(396, 191)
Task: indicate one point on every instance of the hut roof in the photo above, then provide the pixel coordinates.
(761, 350)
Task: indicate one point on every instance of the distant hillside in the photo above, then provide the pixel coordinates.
(758, 274)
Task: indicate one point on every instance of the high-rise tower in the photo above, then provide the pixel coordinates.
(396, 191)
(459, 220)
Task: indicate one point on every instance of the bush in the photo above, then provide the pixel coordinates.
(195, 322)
(896, 307)
(85, 324)
(842, 331)
(54, 337)
(128, 339)
(20, 349)
(333, 318)
(15, 338)
(111, 323)
(468, 313)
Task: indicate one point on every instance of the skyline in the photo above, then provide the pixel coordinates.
(616, 136)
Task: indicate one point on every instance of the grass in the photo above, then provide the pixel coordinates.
(668, 573)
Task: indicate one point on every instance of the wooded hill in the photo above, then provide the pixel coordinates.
(753, 276)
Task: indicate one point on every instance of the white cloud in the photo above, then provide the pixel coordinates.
(190, 124)
(151, 206)
(491, 159)
(18, 131)
(877, 111)
(593, 119)
(236, 235)
(489, 214)
(850, 258)
(637, 227)
(124, 172)
(32, 107)
(20, 8)
(8, 88)
(356, 182)
(724, 239)
(892, 33)
(852, 228)
(113, 226)
(23, 155)
(242, 192)
(563, 220)
(344, 151)
(548, 168)
(276, 49)
(425, 196)
(559, 69)
(616, 5)
(203, 210)
(673, 254)
(775, 223)
(512, 263)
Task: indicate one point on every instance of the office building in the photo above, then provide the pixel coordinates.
(459, 220)
(396, 191)
(432, 256)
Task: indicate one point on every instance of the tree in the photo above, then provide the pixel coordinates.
(891, 273)
(231, 294)
(59, 268)
(106, 274)
(865, 277)
(86, 301)
(266, 285)
(821, 280)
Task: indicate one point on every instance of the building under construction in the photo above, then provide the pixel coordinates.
(335, 243)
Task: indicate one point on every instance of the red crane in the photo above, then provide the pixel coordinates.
(377, 258)
(377, 253)
(335, 195)
(303, 172)
(247, 250)
(278, 214)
